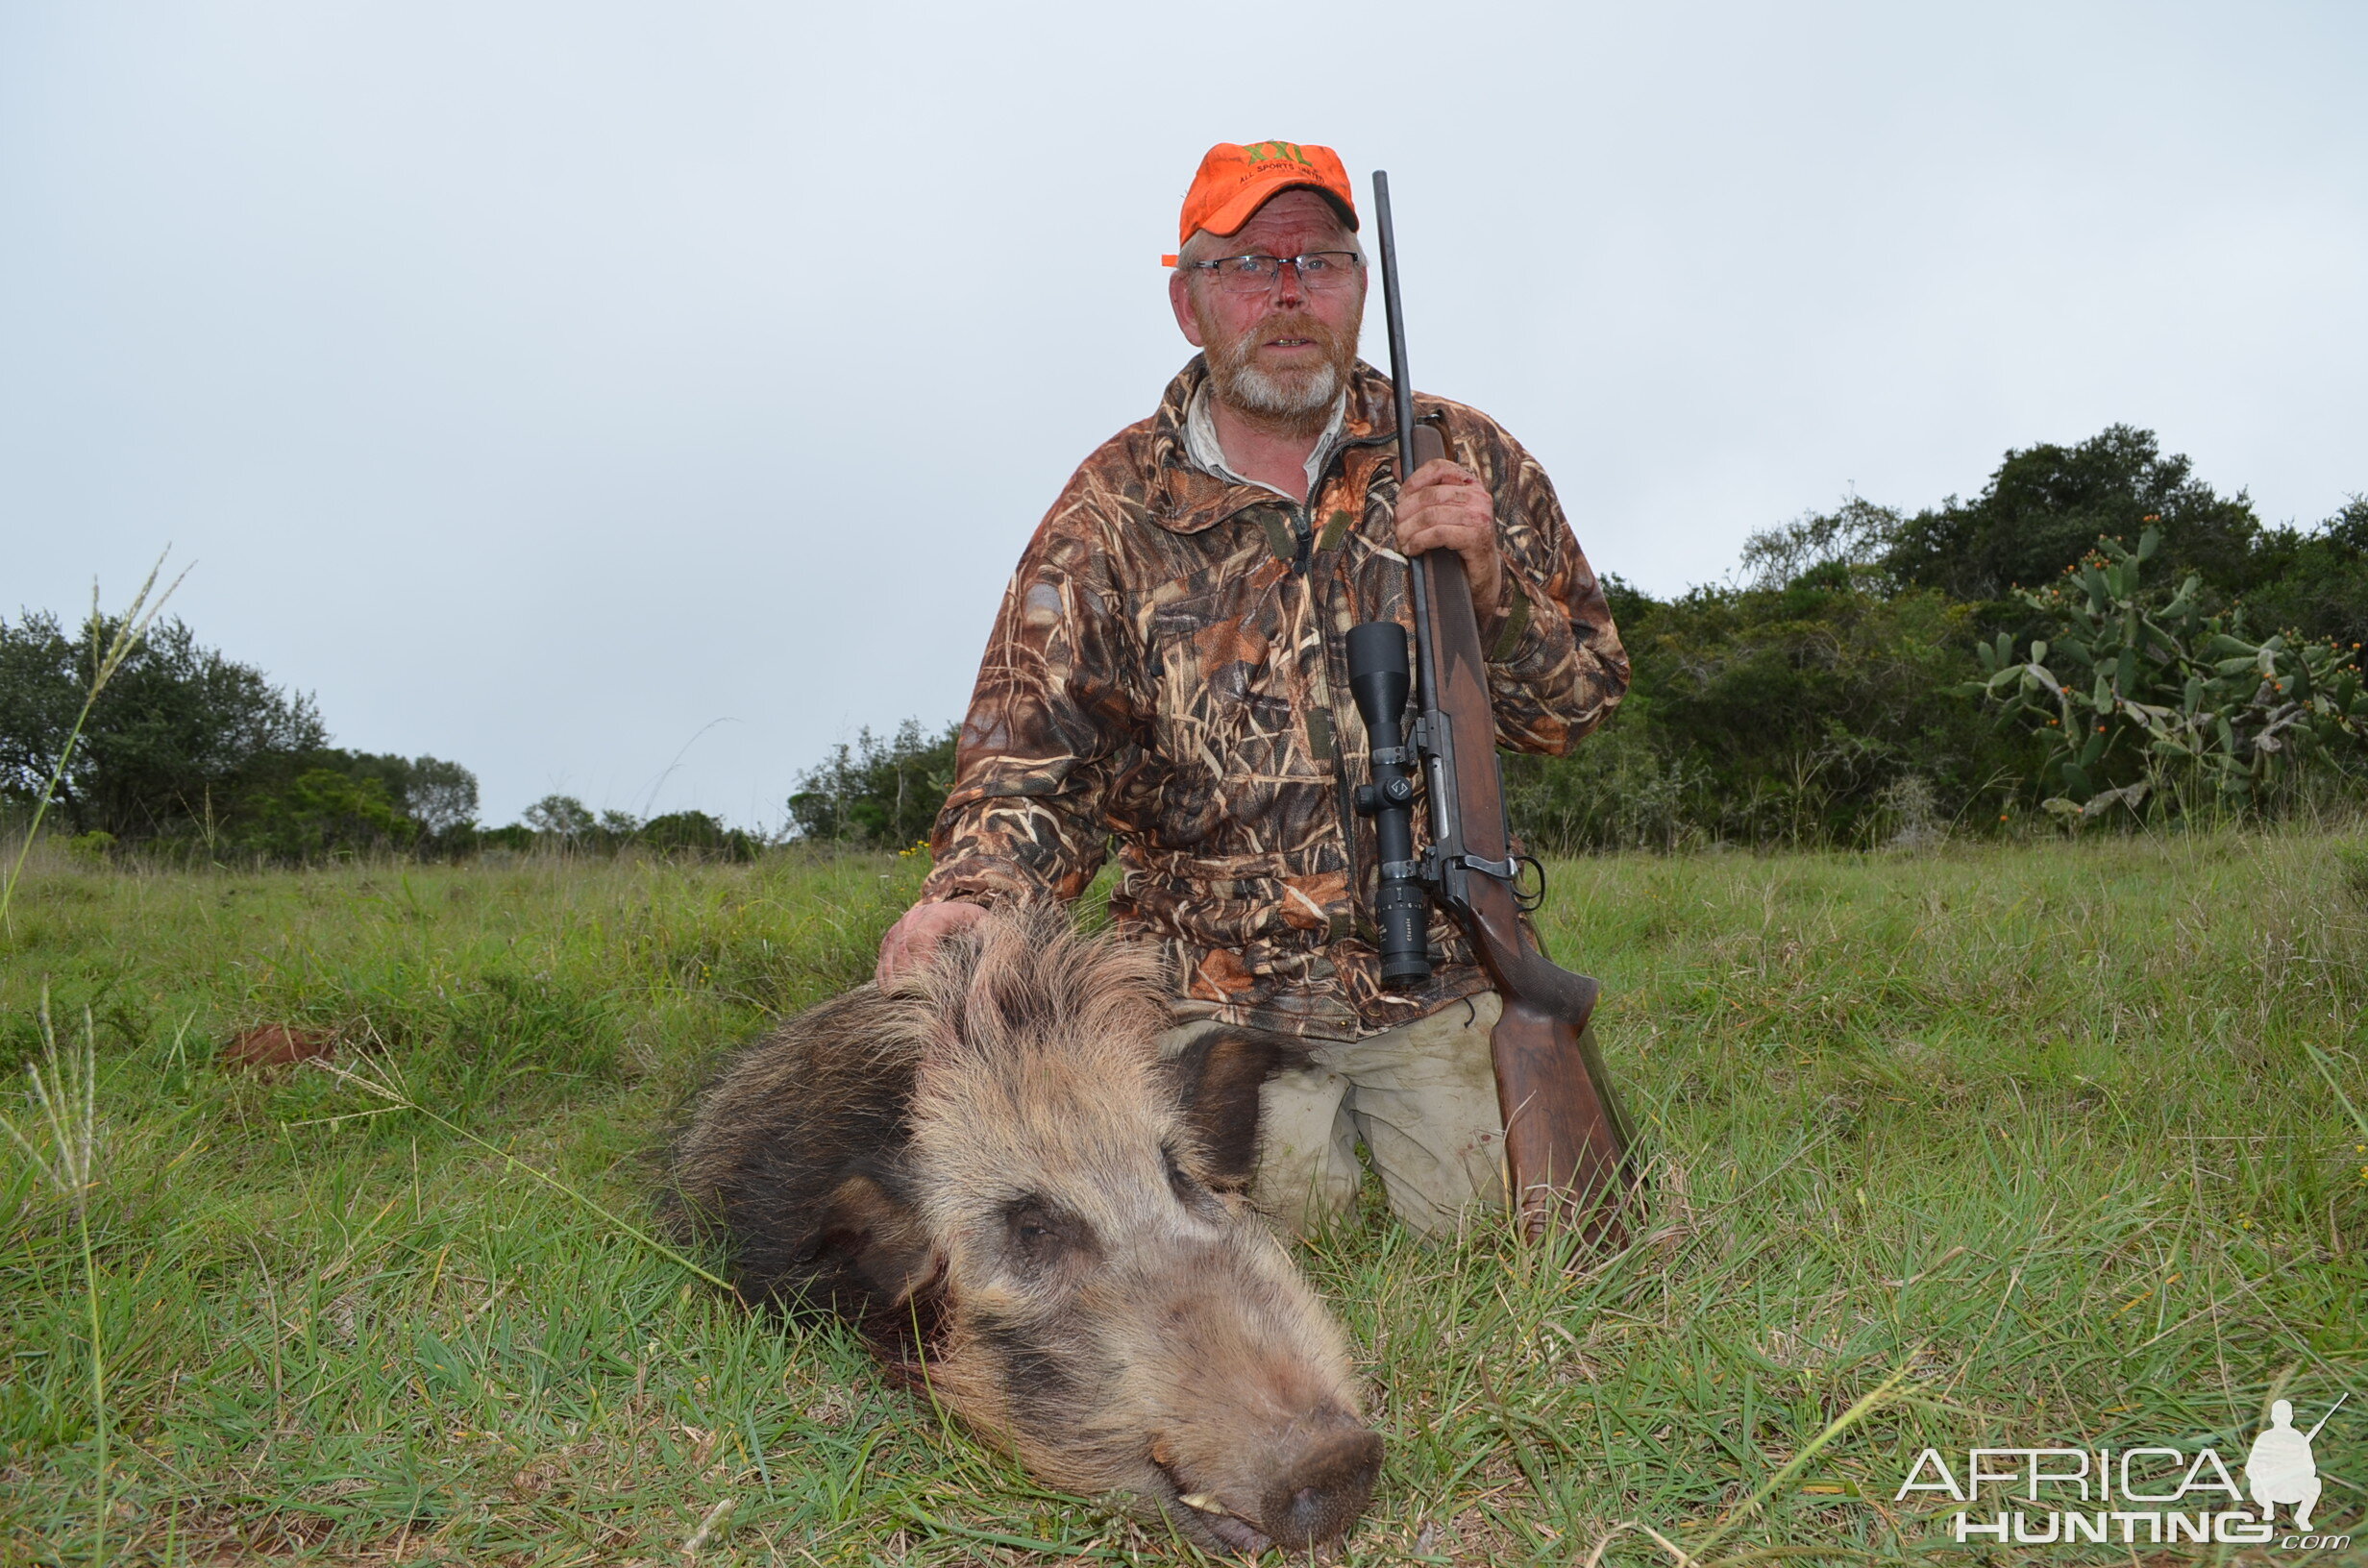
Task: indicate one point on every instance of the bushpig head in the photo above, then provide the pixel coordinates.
(995, 1156)
(1112, 1305)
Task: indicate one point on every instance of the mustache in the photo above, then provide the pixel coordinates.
(1296, 324)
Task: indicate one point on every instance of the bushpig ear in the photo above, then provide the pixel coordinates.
(882, 1253)
(1218, 1078)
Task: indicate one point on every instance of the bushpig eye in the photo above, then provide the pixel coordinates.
(1042, 1233)
(1180, 1180)
(1188, 1190)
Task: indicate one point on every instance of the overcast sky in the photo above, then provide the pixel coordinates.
(633, 401)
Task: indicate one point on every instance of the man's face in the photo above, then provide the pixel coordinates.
(1283, 354)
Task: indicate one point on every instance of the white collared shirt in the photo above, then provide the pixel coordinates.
(1208, 454)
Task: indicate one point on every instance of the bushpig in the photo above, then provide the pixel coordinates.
(989, 1171)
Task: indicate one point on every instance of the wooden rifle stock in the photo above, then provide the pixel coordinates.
(1568, 1156)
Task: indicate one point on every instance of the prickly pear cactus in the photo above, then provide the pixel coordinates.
(2163, 694)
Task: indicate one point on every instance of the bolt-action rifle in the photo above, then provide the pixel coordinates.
(1567, 1151)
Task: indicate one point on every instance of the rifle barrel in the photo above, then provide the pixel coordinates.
(1401, 389)
(1402, 397)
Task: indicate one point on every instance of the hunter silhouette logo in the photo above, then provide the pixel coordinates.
(2281, 1468)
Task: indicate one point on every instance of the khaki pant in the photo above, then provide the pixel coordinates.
(1421, 1096)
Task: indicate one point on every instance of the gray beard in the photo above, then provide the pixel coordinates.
(1288, 400)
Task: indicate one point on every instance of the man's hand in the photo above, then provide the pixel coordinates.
(1445, 506)
(911, 941)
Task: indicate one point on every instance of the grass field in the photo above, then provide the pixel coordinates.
(2030, 1139)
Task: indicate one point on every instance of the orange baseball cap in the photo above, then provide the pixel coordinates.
(1235, 180)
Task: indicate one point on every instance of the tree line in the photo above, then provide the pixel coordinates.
(189, 747)
(2098, 633)
(188, 753)
(1834, 692)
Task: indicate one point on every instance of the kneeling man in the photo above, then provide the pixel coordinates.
(1167, 674)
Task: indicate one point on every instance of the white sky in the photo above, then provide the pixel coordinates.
(542, 383)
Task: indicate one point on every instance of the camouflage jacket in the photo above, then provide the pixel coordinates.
(1168, 671)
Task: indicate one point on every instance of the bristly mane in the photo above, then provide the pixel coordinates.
(1025, 981)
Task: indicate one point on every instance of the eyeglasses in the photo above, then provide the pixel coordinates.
(1318, 270)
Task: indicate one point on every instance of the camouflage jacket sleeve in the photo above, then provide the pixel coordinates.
(1556, 666)
(1052, 723)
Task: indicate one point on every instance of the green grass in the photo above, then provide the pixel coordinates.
(2035, 1129)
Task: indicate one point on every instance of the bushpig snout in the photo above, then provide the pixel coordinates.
(1244, 1378)
(1324, 1491)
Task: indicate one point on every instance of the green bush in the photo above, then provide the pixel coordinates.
(327, 800)
(440, 796)
(2133, 695)
(881, 794)
(516, 837)
(1818, 712)
(561, 821)
(325, 812)
(698, 833)
(567, 822)
(93, 848)
(2315, 585)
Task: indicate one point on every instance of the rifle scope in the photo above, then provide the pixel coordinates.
(1377, 679)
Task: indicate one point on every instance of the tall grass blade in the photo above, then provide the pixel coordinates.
(68, 1099)
(2320, 1060)
(1867, 1403)
(129, 632)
